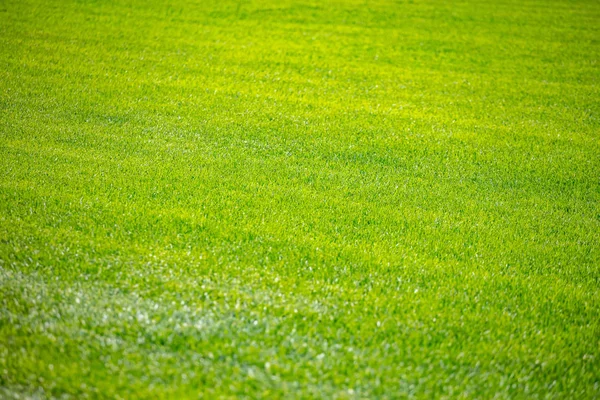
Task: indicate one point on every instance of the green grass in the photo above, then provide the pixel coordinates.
(300, 199)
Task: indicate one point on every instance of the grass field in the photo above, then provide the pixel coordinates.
(300, 199)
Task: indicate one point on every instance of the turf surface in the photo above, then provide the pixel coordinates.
(337, 199)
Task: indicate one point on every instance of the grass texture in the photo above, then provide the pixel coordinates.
(300, 199)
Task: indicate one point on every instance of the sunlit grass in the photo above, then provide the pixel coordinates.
(299, 199)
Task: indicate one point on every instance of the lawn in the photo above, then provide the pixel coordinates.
(300, 199)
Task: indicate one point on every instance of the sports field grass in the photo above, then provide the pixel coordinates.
(300, 199)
